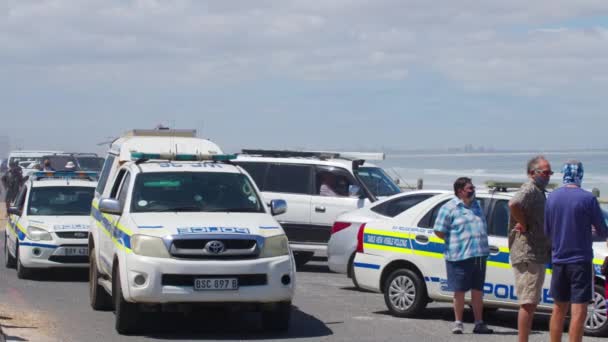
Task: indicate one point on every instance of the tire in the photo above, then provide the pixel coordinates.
(351, 272)
(277, 319)
(98, 296)
(127, 314)
(597, 319)
(22, 271)
(302, 258)
(9, 260)
(405, 293)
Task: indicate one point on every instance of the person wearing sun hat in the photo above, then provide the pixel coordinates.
(571, 216)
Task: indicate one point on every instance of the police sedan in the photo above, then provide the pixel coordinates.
(403, 259)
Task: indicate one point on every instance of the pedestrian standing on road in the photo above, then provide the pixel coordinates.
(47, 166)
(462, 225)
(530, 249)
(12, 181)
(571, 214)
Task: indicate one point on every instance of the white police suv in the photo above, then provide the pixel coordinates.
(403, 259)
(173, 231)
(48, 223)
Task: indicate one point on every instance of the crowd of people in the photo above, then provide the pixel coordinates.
(555, 230)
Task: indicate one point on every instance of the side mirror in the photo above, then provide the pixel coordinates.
(354, 190)
(110, 206)
(278, 207)
(14, 211)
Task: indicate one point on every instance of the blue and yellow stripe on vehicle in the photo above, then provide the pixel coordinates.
(434, 247)
(16, 228)
(387, 241)
(120, 235)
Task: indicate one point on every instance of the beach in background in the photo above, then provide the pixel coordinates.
(439, 170)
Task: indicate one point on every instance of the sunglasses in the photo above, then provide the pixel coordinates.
(544, 172)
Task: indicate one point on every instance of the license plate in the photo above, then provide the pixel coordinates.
(211, 284)
(76, 251)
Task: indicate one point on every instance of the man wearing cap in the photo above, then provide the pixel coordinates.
(571, 216)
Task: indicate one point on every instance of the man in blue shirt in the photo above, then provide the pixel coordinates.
(571, 213)
(462, 225)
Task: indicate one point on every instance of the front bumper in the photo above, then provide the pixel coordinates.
(172, 280)
(51, 254)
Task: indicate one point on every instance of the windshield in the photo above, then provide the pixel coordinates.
(59, 162)
(194, 192)
(377, 181)
(90, 163)
(60, 201)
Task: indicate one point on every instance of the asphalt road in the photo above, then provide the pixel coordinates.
(326, 308)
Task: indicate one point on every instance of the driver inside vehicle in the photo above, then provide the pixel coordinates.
(328, 185)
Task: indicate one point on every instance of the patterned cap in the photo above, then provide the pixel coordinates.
(573, 172)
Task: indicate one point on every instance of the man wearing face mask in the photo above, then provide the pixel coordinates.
(529, 247)
(462, 225)
(571, 215)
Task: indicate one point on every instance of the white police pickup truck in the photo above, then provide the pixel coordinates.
(48, 222)
(183, 231)
(402, 258)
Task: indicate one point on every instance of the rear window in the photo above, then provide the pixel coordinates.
(396, 206)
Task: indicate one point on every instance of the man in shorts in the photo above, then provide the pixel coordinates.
(571, 214)
(462, 225)
(530, 249)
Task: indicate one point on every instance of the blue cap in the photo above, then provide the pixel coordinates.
(573, 172)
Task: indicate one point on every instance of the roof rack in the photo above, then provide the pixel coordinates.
(506, 186)
(315, 154)
(185, 133)
(65, 175)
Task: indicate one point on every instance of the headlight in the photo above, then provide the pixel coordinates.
(275, 246)
(38, 234)
(149, 246)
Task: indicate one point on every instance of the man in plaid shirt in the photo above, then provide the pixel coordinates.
(462, 225)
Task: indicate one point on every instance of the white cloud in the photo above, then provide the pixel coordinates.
(514, 46)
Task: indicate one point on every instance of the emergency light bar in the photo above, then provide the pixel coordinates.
(504, 186)
(182, 157)
(65, 174)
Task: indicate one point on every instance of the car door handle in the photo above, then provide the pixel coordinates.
(422, 238)
(494, 250)
(320, 209)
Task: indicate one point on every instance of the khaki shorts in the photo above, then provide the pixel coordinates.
(529, 279)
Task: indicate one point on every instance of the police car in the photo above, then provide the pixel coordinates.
(180, 231)
(48, 222)
(402, 258)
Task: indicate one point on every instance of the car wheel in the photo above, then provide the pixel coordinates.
(302, 258)
(22, 271)
(405, 293)
(127, 314)
(98, 297)
(277, 319)
(351, 271)
(9, 260)
(597, 319)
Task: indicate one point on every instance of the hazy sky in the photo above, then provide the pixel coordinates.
(305, 73)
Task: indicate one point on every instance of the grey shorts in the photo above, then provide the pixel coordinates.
(529, 280)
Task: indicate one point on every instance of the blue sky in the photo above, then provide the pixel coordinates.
(312, 74)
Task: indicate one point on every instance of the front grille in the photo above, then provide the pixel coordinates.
(72, 235)
(69, 259)
(234, 248)
(188, 279)
(200, 244)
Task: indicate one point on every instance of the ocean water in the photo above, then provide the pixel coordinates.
(439, 171)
